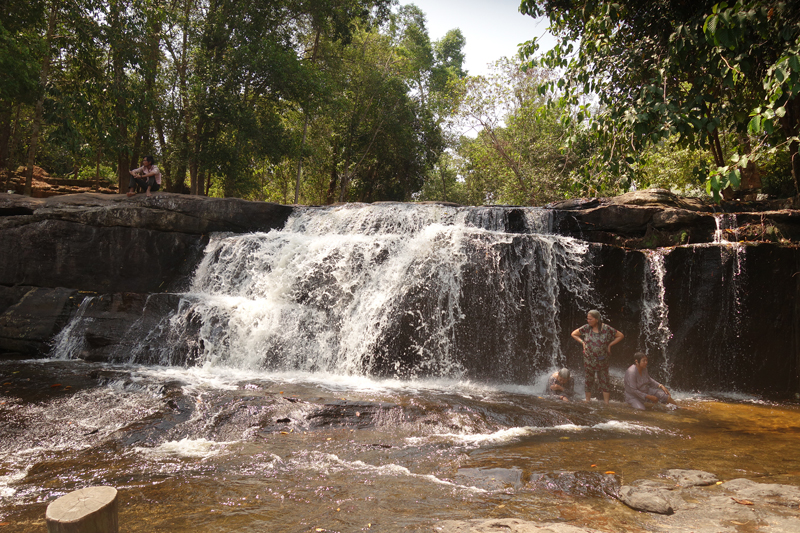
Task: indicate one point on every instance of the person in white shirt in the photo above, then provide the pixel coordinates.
(146, 176)
(640, 387)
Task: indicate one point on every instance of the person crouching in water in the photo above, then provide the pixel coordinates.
(561, 384)
(640, 387)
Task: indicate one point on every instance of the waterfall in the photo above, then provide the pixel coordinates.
(70, 342)
(733, 253)
(384, 289)
(655, 321)
(726, 228)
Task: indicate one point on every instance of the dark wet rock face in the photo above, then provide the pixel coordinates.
(60, 250)
(37, 316)
(734, 321)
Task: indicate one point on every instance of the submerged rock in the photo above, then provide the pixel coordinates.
(692, 478)
(507, 525)
(580, 483)
(357, 414)
(490, 479)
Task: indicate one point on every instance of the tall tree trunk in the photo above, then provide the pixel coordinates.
(179, 179)
(305, 125)
(331, 196)
(119, 91)
(12, 146)
(193, 177)
(196, 178)
(38, 114)
(790, 124)
(97, 169)
(165, 166)
(300, 161)
(5, 131)
(136, 155)
(794, 147)
(143, 140)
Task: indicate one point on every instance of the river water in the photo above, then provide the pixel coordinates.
(368, 368)
(207, 450)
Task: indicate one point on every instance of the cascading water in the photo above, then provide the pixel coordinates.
(726, 228)
(387, 289)
(70, 341)
(655, 314)
(732, 257)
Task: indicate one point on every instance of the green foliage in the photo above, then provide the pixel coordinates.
(523, 152)
(224, 92)
(668, 165)
(670, 70)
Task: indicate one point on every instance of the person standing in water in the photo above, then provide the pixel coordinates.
(640, 387)
(597, 339)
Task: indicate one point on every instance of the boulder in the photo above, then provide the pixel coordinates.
(29, 325)
(773, 493)
(648, 496)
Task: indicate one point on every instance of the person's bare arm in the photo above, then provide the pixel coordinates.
(577, 336)
(617, 339)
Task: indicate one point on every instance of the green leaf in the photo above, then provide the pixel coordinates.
(735, 178)
(754, 126)
(710, 27)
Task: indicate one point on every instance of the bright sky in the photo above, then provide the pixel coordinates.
(493, 28)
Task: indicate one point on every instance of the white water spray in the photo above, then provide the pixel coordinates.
(655, 314)
(388, 289)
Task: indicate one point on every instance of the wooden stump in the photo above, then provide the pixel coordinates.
(89, 510)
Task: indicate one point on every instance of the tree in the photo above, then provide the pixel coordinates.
(520, 154)
(227, 92)
(20, 63)
(693, 71)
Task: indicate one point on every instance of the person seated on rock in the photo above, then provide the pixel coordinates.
(561, 384)
(147, 177)
(640, 387)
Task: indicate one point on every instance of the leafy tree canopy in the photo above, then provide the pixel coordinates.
(697, 71)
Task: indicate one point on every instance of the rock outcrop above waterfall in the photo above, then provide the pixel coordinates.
(655, 218)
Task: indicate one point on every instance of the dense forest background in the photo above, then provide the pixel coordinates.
(324, 101)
